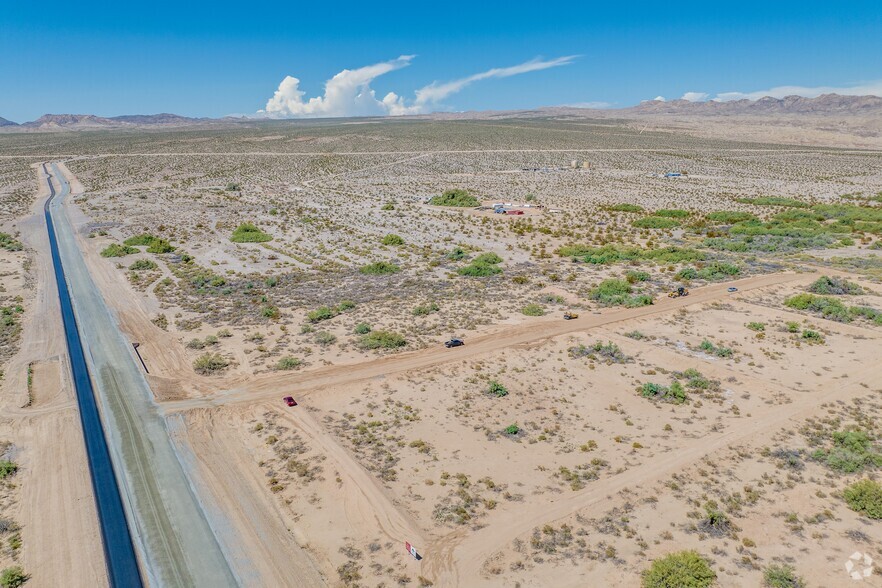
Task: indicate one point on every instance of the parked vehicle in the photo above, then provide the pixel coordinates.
(289, 400)
(453, 343)
(681, 291)
(514, 212)
(732, 289)
(568, 316)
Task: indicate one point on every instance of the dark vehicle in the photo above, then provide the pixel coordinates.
(290, 401)
(453, 343)
(681, 291)
(732, 289)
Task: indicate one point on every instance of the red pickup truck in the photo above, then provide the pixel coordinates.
(290, 401)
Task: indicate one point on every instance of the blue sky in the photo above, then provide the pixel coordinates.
(219, 58)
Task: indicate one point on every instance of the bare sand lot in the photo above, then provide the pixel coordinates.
(733, 423)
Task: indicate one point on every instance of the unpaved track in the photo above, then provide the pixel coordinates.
(274, 386)
(457, 558)
(174, 538)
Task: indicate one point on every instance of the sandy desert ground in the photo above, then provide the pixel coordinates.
(544, 452)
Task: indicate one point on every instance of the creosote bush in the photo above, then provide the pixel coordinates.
(497, 389)
(210, 363)
(683, 569)
(456, 197)
(382, 339)
(117, 250)
(249, 233)
(380, 268)
(865, 497)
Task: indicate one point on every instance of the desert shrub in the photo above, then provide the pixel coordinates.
(636, 335)
(755, 326)
(719, 351)
(497, 389)
(249, 233)
(781, 576)
(322, 313)
(715, 270)
(607, 351)
(225, 333)
(325, 338)
(673, 393)
(671, 213)
(345, 305)
(533, 309)
(617, 253)
(426, 309)
(615, 292)
(512, 429)
(835, 286)
(811, 336)
(195, 344)
(362, 329)
(288, 363)
(269, 311)
(827, 307)
(392, 239)
(143, 264)
(728, 217)
(382, 339)
(486, 264)
(233, 187)
(141, 240)
(8, 243)
(865, 497)
(791, 327)
(380, 268)
(7, 468)
(457, 254)
(774, 201)
(455, 197)
(13, 577)
(851, 451)
(655, 222)
(624, 207)
(160, 246)
(210, 363)
(633, 276)
(683, 569)
(715, 521)
(388, 206)
(117, 250)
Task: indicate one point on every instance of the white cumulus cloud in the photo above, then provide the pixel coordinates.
(658, 99)
(349, 92)
(695, 96)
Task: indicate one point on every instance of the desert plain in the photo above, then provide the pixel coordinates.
(330, 261)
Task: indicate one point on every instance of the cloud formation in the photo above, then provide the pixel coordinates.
(349, 92)
(870, 88)
(695, 96)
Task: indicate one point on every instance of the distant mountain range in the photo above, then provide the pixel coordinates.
(824, 105)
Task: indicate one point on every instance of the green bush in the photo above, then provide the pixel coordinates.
(141, 240)
(774, 201)
(210, 363)
(249, 233)
(781, 576)
(288, 363)
(380, 268)
(624, 207)
(486, 264)
(325, 338)
(322, 313)
(13, 577)
(812, 336)
(382, 339)
(827, 307)
(865, 497)
(512, 429)
(633, 276)
(456, 197)
(7, 468)
(673, 393)
(834, 286)
(143, 264)
(426, 309)
(655, 222)
(388, 206)
(758, 327)
(683, 569)
(533, 309)
(10, 244)
(117, 250)
(457, 254)
(362, 329)
(851, 451)
(160, 246)
(392, 239)
(497, 389)
(728, 217)
(615, 292)
(617, 253)
(671, 213)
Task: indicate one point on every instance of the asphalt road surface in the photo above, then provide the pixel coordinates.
(170, 532)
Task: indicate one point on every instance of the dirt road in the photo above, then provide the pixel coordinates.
(278, 385)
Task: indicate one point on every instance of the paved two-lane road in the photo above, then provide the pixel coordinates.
(171, 535)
